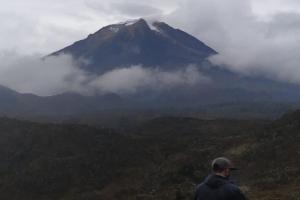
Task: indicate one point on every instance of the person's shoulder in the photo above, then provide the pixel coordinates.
(203, 184)
(234, 190)
(200, 186)
(232, 187)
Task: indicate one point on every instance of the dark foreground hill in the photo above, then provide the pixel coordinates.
(163, 158)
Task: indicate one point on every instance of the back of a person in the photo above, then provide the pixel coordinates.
(218, 187)
(205, 193)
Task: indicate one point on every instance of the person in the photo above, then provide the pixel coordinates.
(217, 186)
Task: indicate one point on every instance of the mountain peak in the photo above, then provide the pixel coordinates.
(133, 22)
(141, 22)
(137, 23)
(138, 42)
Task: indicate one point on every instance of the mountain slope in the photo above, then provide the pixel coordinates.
(163, 158)
(137, 42)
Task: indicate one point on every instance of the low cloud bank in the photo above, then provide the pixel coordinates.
(135, 78)
(55, 75)
(252, 38)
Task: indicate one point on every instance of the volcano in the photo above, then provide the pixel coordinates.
(162, 48)
(138, 42)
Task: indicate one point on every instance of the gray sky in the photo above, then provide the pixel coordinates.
(35, 26)
(260, 37)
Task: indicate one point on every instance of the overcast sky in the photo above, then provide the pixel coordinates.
(260, 37)
(35, 26)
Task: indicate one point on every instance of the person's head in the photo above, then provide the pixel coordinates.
(222, 166)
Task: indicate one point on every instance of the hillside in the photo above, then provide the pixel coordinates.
(163, 158)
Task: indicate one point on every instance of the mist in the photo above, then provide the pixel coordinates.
(60, 74)
(252, 38)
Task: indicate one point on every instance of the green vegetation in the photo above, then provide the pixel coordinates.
(163, 158)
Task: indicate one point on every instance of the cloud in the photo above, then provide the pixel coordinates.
(55, 75)
(46, 26)
(136, 78)
(253, 37)
(31, 74)
(247, 43)
(131, 9)
(34, 26)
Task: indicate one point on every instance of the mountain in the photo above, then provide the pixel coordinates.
(138, 42)
(159, 47)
